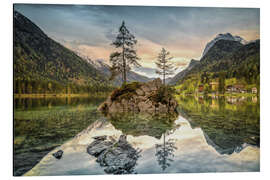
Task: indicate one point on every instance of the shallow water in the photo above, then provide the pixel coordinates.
(209, 135)
(187, 152)
(229, 122)
(41, 124)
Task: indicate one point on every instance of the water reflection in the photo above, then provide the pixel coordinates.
(185, 151)
(164, 152)
(49, 102)
(138, 124)
(155, 125)
(228, 122)
(212, 134)
(41, 124)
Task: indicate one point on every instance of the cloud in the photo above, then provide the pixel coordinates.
(181, 63)
(145, 71)
(183, 31)
(93, 52)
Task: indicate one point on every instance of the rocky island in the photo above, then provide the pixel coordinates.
(150, 97)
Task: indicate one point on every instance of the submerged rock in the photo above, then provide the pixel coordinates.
(151, 97)
(118, 157)
(97, 147)
(100, 138)
(58, 154)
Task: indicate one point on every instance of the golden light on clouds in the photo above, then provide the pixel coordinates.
(249, 35)
(148, 50)
(182, 51)
(95, 52)
(92, 52)
(183, 31)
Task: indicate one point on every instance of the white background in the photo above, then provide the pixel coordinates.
(6, 70)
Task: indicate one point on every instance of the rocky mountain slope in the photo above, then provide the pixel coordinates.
(105, 69)
(38, 57)
(228, 55)
(226, 36)
(182, 74)
(235, 59)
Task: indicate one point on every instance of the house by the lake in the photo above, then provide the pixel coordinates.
(214, 86)
(254, 90)
(238, 88)
(200, 88)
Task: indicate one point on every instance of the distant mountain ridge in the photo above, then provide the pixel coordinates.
(220, 55)
(146, 71)
(182, 74)
(226, 36)
(105, 69)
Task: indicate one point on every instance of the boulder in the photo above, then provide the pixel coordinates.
(144, 105)
(100, 138)
(97, 147)
(162, 107)
(140, 92)
(118, 157)
(58, 154)
(145, 88)
(155, 84)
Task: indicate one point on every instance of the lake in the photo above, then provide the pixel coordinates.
(210, 134)
(41, 124)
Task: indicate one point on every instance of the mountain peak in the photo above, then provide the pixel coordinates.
(26, 25)
(225, 36)
(192, 61)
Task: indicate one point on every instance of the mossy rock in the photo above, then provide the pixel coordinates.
(127, 90)
(151, 97)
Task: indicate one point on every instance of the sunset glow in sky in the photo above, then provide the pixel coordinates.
(184, 31)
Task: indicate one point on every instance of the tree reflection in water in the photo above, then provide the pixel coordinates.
(138, 124)
(164, 152)
(229, 122)
(154, 125)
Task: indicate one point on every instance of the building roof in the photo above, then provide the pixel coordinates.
(214, 83)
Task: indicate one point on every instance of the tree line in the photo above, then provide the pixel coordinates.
(121, 62)
(54, 87)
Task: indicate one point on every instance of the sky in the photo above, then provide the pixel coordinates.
(183, 31)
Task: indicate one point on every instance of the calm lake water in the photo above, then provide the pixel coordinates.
(210, 135)
(41, 124)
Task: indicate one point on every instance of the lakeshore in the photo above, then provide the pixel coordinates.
(98, 94)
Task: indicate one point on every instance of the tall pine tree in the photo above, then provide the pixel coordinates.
(165, 67)
(127, 57)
